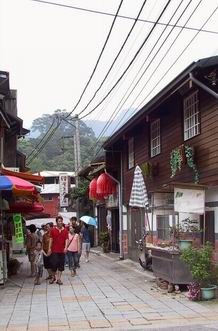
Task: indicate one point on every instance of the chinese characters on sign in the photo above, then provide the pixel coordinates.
(64, 183)
(18, 229)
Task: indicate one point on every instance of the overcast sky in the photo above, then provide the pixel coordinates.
(50, 52)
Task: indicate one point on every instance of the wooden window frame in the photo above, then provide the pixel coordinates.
(155, 138)
(131, 154)
(191, 116)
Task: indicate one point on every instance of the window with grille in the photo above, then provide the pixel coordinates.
(131, 158)
(155, 138)
(163, 228)
(191, 116)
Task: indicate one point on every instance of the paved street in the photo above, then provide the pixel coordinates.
(107, 294)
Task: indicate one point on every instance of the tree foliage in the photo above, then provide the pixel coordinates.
(57, 152)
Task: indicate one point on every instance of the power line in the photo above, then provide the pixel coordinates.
(117, 109)
(171, 65)
(116, 57)
(166, 72)
(120, 16)
(41, 139)
(89, 80)
(43, 145)
(131, 62)
(101, 53)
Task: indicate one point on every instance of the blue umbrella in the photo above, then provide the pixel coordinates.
(89, 220)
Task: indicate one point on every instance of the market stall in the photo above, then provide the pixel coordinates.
(175, 220)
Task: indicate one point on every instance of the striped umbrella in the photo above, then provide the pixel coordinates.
(138, 196)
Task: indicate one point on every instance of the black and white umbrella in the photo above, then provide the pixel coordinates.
(138, 196)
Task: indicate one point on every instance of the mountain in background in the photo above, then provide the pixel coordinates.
(97, 125)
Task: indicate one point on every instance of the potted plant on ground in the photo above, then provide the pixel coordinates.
(200, 263)
(104, 240)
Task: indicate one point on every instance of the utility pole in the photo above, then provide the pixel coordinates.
(77, 159)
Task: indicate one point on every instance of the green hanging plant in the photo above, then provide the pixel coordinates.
(189, 153)
(176, 160)
(146, 168)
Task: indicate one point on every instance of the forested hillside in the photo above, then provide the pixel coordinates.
(52, 151)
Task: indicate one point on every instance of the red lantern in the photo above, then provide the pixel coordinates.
(93, 189)
(105, 185)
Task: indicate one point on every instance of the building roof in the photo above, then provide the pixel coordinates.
(164, 94)
(51, 188)
(46, 173)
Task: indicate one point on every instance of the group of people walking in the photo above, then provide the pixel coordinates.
(58, 246)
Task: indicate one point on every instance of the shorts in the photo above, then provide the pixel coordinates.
(46, 262)
(86, 247)
(57, 261)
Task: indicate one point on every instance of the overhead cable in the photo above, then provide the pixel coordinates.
(116, 57)
(119, 16)
(117, 109)
(98, 60)
(131, 62)
(89, 80)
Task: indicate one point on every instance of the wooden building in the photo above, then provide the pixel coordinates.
(181, 119)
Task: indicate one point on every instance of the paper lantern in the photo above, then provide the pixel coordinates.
(105, 185)
(93, 189)
(93, 195)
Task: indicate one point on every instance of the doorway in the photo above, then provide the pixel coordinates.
(209, 227)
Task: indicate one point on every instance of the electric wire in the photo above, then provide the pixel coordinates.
(37, 152)
(116, 57)
(119, 16)
(156, 68)
(101, 111)
(117, 109)
(131, 62)
(89, 80)
(47, 132)
(98, 60)
(169, 67)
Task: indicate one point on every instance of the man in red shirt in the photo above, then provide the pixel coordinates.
(57, 248)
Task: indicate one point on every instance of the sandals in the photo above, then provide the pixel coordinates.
(52, 280)
(59, 282)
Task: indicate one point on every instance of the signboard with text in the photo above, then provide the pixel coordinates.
(64, 185)
(189, 200)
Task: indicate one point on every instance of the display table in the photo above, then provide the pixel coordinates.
(167, 265)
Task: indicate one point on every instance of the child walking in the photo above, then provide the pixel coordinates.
(38, 262)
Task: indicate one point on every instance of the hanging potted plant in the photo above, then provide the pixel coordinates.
(199, 261)
(176, 159)
(146, 168)
(189, 153)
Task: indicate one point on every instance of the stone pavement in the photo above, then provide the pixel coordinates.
(107, 294)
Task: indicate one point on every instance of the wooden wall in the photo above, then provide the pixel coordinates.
(171, 116)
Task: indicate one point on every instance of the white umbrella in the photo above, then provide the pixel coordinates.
(138, 196)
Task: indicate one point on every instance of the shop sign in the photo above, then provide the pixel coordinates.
(112, 201)
(189, 200)
(18, 229)
(64, 185)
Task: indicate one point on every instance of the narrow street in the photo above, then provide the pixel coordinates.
(107, 294)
